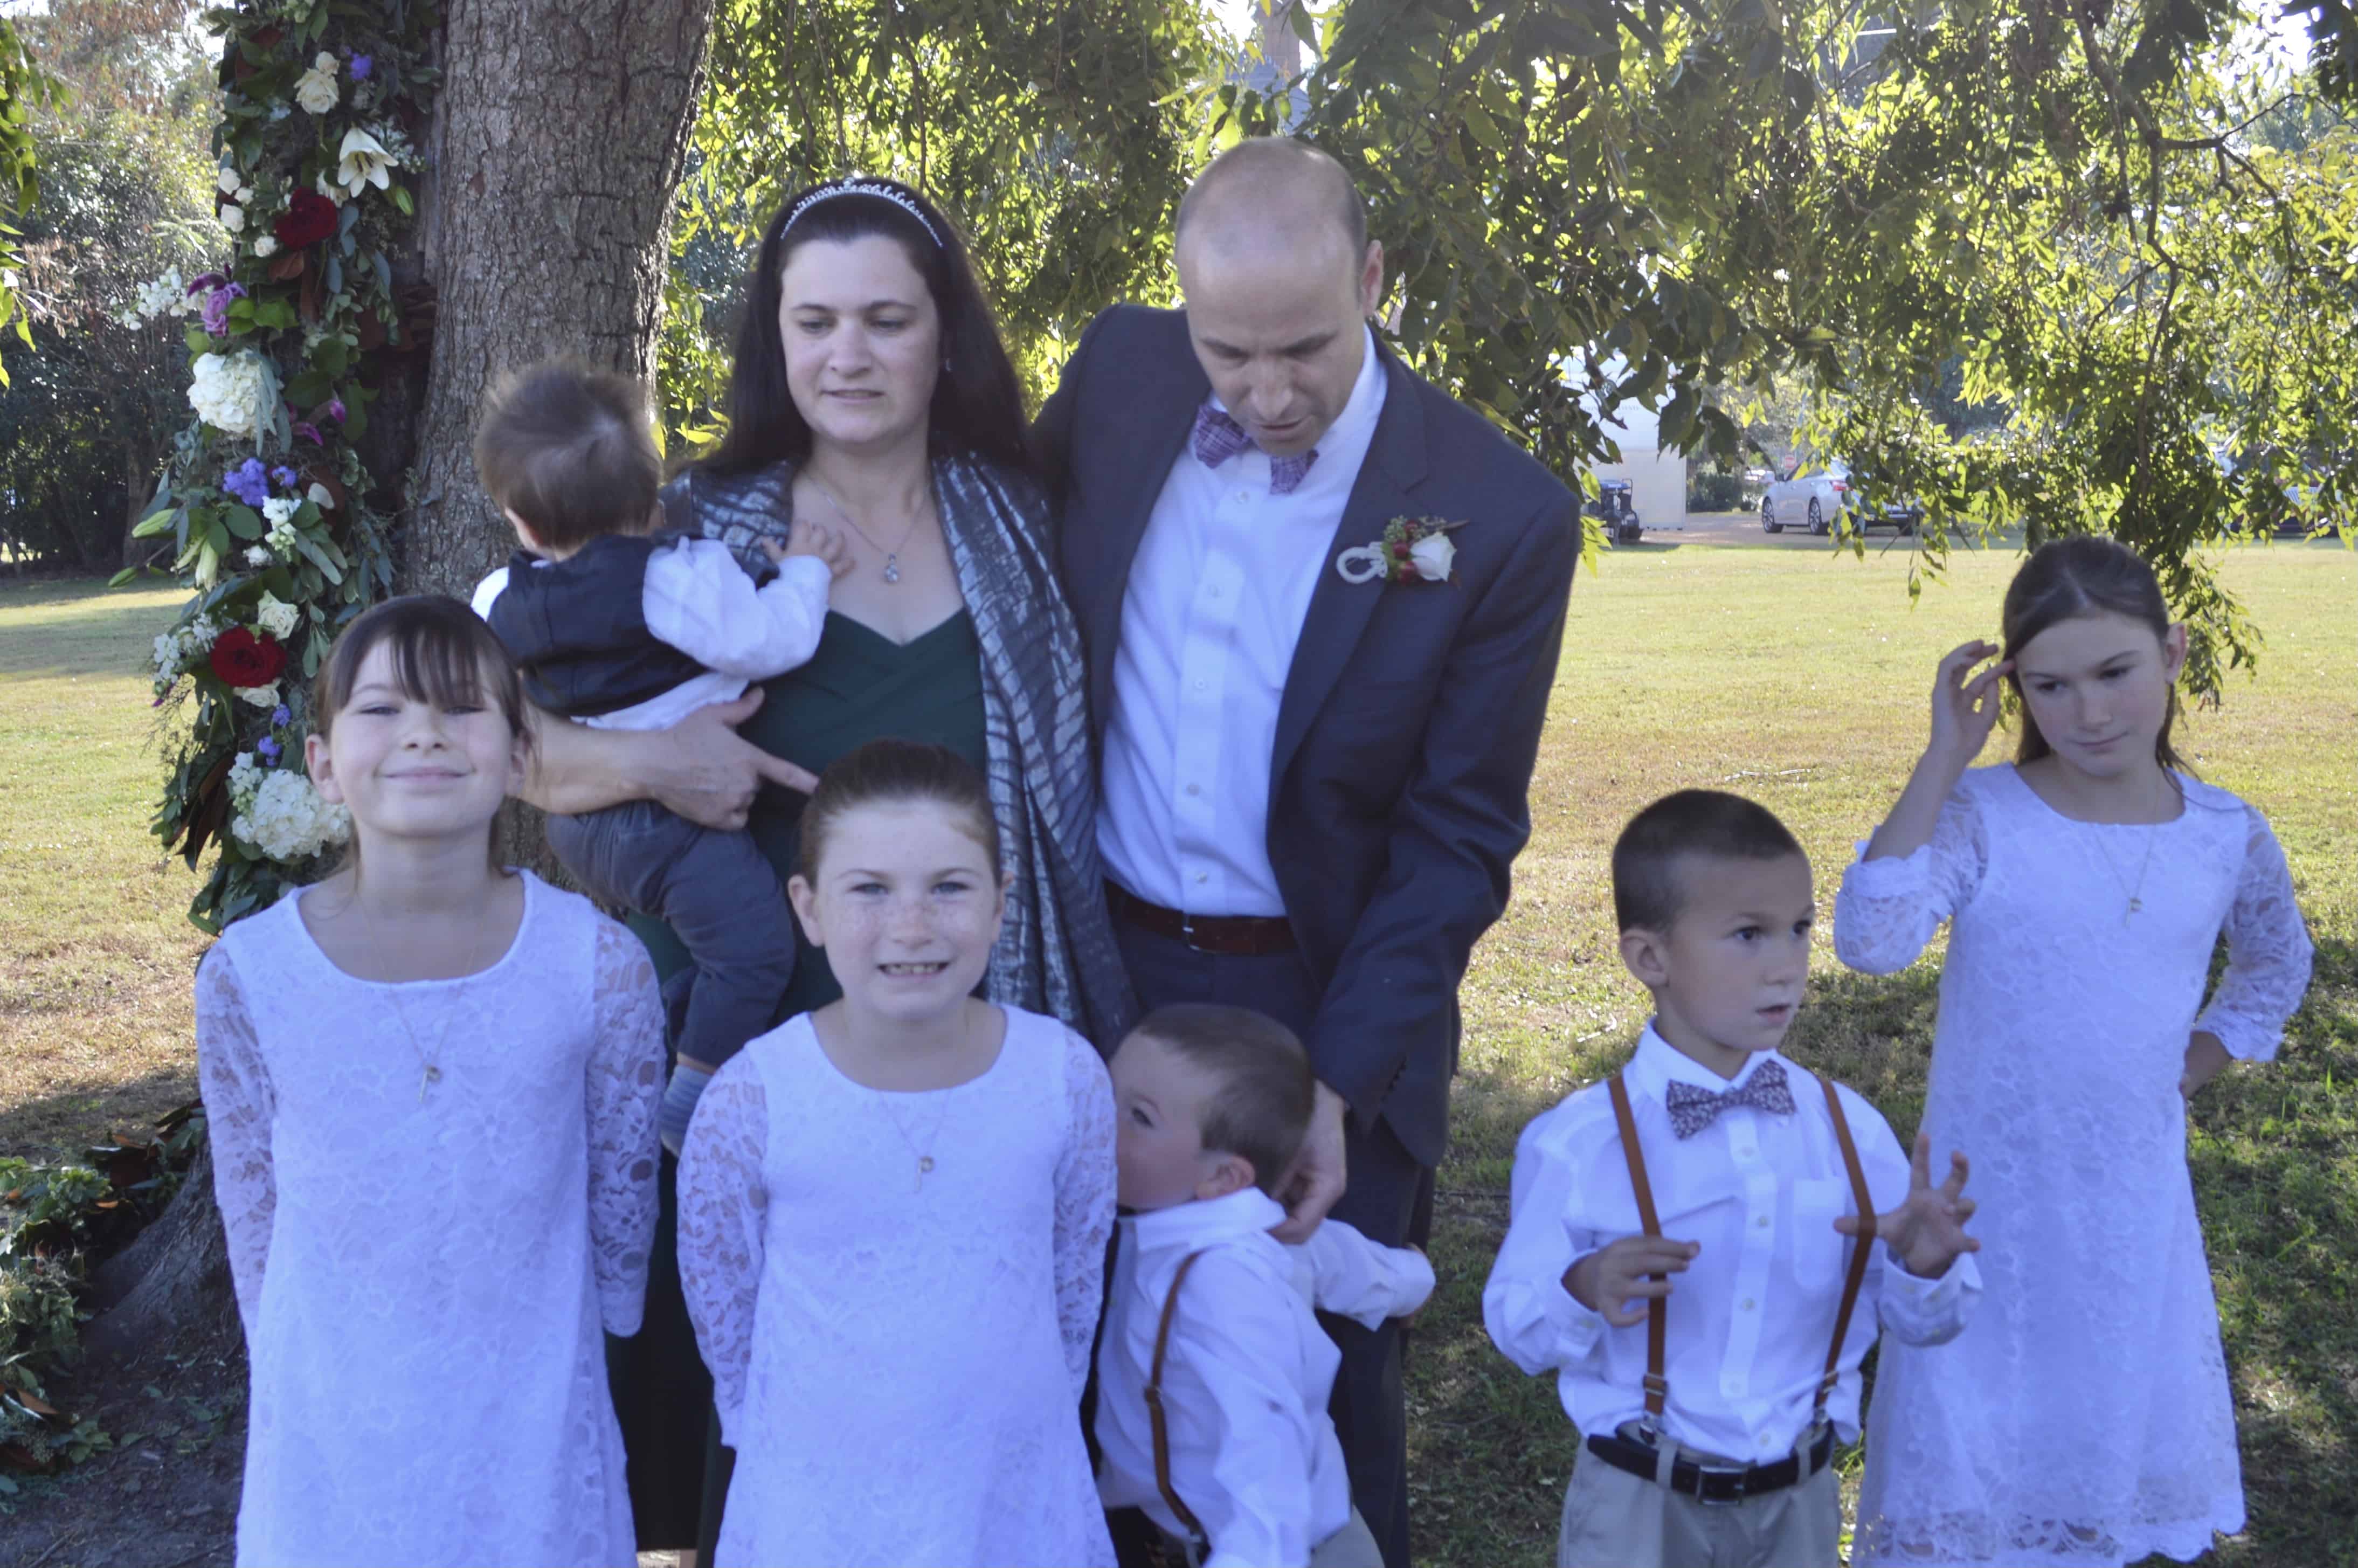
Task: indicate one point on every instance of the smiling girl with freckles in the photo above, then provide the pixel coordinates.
(893, 1212)
(2084, 1418)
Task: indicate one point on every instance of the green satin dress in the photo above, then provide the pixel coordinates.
(859, 687)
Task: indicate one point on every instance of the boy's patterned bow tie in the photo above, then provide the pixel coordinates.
(1218, 438)
(1692, 1108)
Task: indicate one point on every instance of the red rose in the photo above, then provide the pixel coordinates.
(308, 219)
(243, 659)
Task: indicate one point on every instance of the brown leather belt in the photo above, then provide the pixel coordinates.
(1223, 935)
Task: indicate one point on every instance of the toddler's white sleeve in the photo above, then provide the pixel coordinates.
(697, 599)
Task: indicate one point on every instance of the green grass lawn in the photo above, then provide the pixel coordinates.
(1788, 674)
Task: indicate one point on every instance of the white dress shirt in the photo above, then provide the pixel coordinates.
(1216, 599)
(697, 599)
(1751, 1318)
(1245, 1382)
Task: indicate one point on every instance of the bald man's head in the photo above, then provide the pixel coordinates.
(1275, 181)
(1278, 279)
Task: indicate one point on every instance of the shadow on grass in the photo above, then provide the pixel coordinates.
(56, 1127)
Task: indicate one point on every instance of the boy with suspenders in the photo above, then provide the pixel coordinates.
(1757, 1220)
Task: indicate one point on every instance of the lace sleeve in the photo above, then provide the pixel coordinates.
(1085, 1189)
(239, 1104)
(723, 1206)
(625, 1083)
(1889, 908)
(2268, 952)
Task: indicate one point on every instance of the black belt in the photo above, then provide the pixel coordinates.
(1712, 1483)
(1223, 935)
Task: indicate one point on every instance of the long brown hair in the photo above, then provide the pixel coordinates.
(2065, 580)
(443, 652)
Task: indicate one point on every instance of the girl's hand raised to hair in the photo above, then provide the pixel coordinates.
(1965, 709)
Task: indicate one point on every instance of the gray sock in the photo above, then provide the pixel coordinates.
(679, 1104)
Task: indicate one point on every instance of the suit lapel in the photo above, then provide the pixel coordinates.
(1339, 611)
(1165, 419)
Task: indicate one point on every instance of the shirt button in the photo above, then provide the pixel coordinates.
(1744, 1152)
(1747, 1303)
(1199, 789)
(1201, 685)
(1240, 496)
(1203, 876)
(1762, 1222)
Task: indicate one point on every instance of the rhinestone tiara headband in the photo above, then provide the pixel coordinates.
(860, 184)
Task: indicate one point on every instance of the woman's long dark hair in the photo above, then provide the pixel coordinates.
(978, 406)
(2086, 574)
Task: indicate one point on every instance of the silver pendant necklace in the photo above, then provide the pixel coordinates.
(892, 572)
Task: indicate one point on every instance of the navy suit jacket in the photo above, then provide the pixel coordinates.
(1411, 719)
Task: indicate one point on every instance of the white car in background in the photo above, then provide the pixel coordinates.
(1815, 495)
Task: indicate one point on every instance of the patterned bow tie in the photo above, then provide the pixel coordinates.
(1692, 1108)
(1219, 438)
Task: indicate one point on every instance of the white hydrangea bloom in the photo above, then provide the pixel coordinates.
(227, 392)
(282, 815)
(280, 508)
(257, 554)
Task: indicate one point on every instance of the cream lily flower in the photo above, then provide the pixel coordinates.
(361, 161)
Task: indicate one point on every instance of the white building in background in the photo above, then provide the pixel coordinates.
(1658, 478)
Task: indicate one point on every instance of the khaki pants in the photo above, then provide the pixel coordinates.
(1614, 1519)
(1353, 1546)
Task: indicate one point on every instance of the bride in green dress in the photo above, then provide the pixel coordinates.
(870, 393)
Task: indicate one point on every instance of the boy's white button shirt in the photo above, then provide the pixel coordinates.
(1751, 1319)
(697, 598)
(1244, 1383)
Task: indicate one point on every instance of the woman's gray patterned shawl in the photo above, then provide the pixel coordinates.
(1056, 954)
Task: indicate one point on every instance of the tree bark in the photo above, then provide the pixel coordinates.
(561, 133)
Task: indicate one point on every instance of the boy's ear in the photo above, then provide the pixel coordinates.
(1646, 954)
(1229, 1173)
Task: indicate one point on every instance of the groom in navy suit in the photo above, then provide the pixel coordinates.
(1315, 772)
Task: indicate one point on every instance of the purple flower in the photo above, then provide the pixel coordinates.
(248, 483)
(279, 715)
(336, 409)
(284, 476)
(209, 280)
(362, 65)
(267, 750)
(216, 307)
(306, 432)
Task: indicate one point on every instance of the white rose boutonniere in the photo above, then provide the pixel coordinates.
(1412, 550)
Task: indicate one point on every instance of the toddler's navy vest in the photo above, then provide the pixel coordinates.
(579, 628)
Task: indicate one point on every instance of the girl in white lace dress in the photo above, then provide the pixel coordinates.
(2084, 1416)
(432, 1088)
(893, 1213)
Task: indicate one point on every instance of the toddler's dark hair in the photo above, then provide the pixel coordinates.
(1708, 823)
(1261, 1109)
(895, 772)
(571, 452)
(2087, 574)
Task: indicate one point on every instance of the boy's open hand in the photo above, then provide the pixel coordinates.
(1928, 1229)
(805, 537)
(1612, 1281)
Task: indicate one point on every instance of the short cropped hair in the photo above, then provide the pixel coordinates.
(1266, 160)
(1712, 823)
(571, 450)
(1261, 1109)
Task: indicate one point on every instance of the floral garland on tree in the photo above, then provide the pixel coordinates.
(264, 502)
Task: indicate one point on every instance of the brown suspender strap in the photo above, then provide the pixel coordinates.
(1860, 1247)
(1656, 1310)
(1193, 1525)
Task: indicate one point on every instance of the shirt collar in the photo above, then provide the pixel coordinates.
(1207, 1221)
(1657, 1065)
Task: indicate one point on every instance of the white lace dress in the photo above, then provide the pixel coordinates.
(424, 1269)
(2083, 1416)
(899, 1363)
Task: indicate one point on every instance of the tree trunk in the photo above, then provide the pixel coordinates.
(559, 137)
(561, 132)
